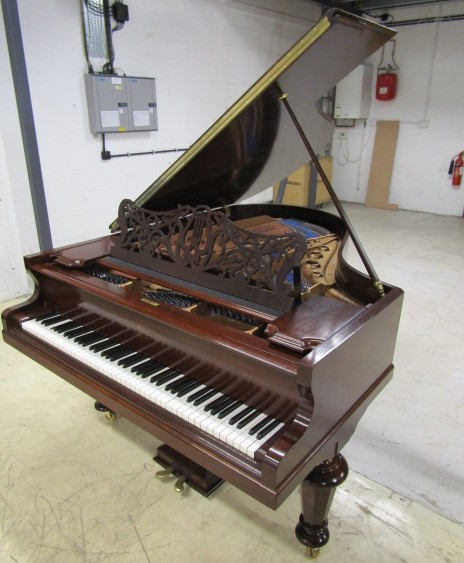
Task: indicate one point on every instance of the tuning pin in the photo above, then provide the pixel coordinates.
(165, 472)
(179, 484)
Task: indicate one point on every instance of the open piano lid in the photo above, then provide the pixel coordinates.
(255, 144)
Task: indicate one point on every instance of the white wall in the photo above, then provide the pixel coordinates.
(203, 54)
(430, 87)
(17, 223)
(13, 282)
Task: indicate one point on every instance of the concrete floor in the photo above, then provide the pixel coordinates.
(75, 488)
(416, 426)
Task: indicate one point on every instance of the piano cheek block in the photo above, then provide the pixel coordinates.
(313, 322)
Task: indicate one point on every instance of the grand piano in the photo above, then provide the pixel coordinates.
(235, 333)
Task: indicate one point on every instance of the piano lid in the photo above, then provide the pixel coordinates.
(255, 144)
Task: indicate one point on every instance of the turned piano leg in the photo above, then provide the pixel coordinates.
(317, 492)
(109, 414)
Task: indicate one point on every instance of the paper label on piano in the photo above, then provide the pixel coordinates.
(109, 118)
(141, 118)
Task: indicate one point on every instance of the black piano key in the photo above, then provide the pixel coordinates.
(107, 353)
(103, 345)
(147, 368)
(54, 320)
(160, 372)
(189, 388)
(174, 385)
(165, 376)
(188, 383)
(248, 419)
(229, 409)
(260, 425)
(116, 353)
(46, 316)
(153, 371)
(204, 397)
(267, 429)
(91, 338)
(120, 355)
(65, 326)
(241, 414)
(111, 346)
(216, 402)
(179, 386)
(76, 332)
(198, 394)
(224, 404)
(148, 364)
(131, 360)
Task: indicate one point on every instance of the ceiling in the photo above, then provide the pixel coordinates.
(365, 6)
(384, 11)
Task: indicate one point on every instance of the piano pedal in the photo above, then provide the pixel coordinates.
(165, 472)
(109, 414)
(179, 484)
(187, 472)
(170, 471)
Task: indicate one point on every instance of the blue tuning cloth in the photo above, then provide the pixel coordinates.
(300, 227)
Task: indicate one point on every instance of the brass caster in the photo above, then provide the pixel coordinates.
(165, 472)
(312, 552)
(179, 484)
(110, 416)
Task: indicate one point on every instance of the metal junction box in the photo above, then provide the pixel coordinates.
(118, 104)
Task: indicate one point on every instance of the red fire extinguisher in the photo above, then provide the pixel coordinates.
(457, 170)
(387, 79)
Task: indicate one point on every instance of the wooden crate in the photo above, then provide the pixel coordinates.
(297, 189)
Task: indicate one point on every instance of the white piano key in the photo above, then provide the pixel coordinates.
(238, 434)
(252, 446)
(179, 406)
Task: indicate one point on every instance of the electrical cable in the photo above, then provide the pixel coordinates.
(346, 156)
(94, 7)
(416, 21)
(108, 68)
(106, 155)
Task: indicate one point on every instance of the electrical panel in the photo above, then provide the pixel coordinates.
(119, 104)
(353, 94)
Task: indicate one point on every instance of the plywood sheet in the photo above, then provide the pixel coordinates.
(382, 162)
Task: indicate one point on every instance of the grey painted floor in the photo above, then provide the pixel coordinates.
(75, 488)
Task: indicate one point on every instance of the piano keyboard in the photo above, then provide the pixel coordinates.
(232, 422)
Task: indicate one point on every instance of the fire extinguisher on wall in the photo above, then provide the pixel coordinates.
(387, 79)
(456, 169)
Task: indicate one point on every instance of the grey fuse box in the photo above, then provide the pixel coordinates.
(118, 104)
